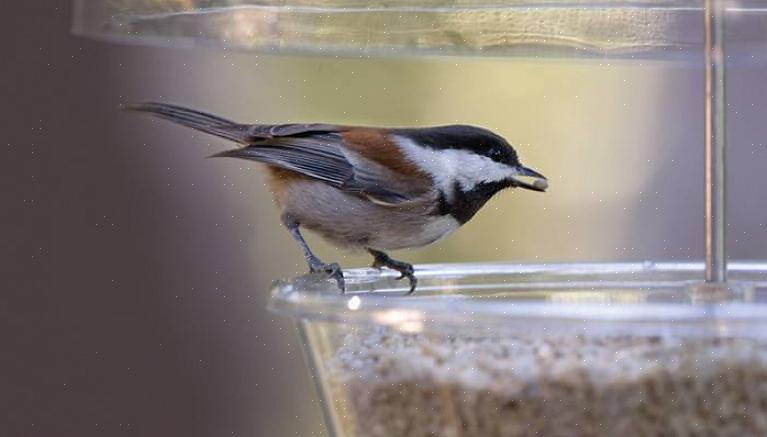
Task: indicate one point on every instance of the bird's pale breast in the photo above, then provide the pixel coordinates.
(349, 220)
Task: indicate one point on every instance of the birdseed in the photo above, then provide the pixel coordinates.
(387, 383)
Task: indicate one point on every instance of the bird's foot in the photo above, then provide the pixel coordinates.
(406, 270)
(332, 270)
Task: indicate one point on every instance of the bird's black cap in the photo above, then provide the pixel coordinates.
(462, 137)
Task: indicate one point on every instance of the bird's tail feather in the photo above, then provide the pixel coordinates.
(197, 120)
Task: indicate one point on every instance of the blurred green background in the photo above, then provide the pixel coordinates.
(136, 271)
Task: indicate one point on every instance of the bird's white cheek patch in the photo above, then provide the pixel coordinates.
(477, 169)
(449, 166)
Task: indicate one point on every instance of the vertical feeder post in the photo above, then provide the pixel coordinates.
(715, 107)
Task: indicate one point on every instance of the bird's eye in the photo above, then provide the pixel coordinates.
(496, 154)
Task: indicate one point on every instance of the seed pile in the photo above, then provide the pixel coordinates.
(389, 383)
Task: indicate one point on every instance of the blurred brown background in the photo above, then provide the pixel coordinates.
(135, 273)
(129, 306)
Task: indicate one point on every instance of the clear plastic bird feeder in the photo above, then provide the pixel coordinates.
(504, 350)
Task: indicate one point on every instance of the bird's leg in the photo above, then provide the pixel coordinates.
(406, 270)
(333, 270)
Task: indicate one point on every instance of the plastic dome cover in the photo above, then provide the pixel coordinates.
(353, 27)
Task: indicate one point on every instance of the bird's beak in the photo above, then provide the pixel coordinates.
(529, 179)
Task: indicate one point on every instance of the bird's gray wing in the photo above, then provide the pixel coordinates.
(324, 157)
(318, 157)
(314, 150)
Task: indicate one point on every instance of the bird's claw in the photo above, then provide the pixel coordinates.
(408, 272)
(413, 281)
(332, 270)
(405, 270)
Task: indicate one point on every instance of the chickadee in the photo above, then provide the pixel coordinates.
(373, 188)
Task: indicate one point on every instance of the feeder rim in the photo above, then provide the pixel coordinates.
(573, 295)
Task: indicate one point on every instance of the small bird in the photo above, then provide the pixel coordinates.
(378, 189)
